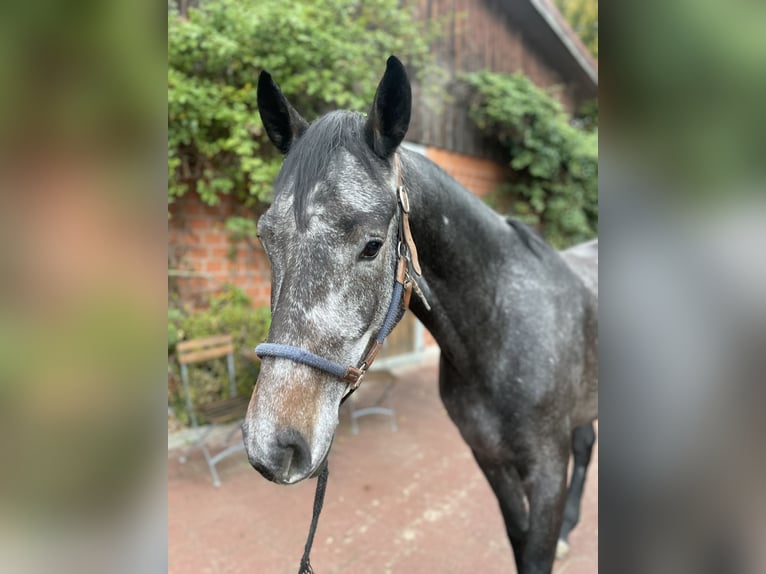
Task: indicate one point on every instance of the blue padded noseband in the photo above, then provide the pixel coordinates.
(300, 356)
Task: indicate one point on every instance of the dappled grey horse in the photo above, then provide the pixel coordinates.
(516, 321)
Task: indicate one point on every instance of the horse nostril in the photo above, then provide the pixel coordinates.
(295, 455)
(284, 457)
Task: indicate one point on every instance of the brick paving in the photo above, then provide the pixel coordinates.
(411, 501)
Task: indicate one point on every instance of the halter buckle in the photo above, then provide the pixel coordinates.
(353, 377)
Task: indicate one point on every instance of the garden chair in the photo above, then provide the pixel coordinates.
(224, 410)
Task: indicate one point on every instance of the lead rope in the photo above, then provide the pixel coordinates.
(305, 567)
(324, 473)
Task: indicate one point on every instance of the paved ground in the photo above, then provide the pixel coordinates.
(411, 501)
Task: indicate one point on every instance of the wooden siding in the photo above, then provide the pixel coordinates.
(476, 35)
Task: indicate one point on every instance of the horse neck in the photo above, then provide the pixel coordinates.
(462, 245)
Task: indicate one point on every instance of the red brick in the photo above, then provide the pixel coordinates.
(194, 238)
(198, 224)
(195, 283)
(192, 208)
(197, 253)
(213, 266)
(215, 211)
(214, 239)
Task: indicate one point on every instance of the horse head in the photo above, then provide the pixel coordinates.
(331, 237)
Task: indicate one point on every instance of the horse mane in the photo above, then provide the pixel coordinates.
(310, 157)
(529, 237)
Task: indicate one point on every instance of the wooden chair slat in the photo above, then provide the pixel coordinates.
(205, 354)
(225, 409)
(193, 345)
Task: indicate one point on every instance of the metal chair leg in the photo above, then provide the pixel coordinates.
(211, 466)
(378, 408)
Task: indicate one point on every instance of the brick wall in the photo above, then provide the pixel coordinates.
(198, 244)
(199, 248)
(479, 175)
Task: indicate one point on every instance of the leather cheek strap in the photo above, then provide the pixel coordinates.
(354, 375)
(406, 232)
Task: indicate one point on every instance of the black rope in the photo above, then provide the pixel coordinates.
(318, 502)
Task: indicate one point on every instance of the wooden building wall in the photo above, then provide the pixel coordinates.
(476, 35)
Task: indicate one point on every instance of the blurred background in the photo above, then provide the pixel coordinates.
(683, 332)
(100, 274)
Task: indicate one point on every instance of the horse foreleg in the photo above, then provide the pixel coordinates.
(545, 485)
(509, 490)
(583, 439)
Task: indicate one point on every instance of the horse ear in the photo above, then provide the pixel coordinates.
(389, 117)
(283, 123)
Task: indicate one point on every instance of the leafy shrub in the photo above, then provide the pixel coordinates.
(174, 318)
(586, 116)
(555, 163)
(325, 55)
(229, 313)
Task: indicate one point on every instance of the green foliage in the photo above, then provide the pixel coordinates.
(325, 55)
(174, 319)
(586, 116)
(231, 313)
(230, 297)
(240, 229)
(582, 16)
(555, 163)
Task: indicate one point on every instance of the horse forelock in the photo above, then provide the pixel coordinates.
(316, 158)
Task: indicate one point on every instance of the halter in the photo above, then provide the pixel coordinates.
(400, 301)
(404, 283)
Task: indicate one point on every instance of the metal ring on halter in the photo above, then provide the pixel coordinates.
(401, 250)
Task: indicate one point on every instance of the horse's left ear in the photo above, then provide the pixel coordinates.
(389, 117)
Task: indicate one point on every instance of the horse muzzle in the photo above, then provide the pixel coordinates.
(283, 458)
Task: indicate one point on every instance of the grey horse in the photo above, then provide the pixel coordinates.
(516, 321)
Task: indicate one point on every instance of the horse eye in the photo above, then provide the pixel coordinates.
(371, 249)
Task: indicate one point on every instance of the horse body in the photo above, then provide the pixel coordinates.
(516, 321)
(517, 324)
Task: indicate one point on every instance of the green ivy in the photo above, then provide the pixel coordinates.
(586, 116)
(555, 163)
(325, 55)
(240, 229)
